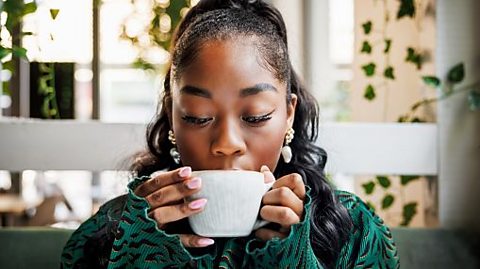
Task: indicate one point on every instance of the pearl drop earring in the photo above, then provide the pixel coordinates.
(286, 150)
(173, 151)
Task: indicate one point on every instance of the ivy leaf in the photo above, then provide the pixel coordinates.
(388, 44)
(414, 57)
(19, 52)
(388, 73)
(369, 93)
(29, 8)
(54, 13)
(367, 27)
(431, 81)
(4, 52)
(366, 47)
(407, 8)
(384, 181)
(409, 211)
(456, 74)
(403, 118)
(369, 69)
(387, 201)
(404, 180)
(417, 120)
(474, 100)
(369, 187)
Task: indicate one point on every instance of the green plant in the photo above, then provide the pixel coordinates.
(16, 10)
(454, 77)
(448, 87)
(379, 39)
(165, 16)
(10, 49)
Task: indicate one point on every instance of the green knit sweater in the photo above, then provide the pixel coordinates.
(122, 231)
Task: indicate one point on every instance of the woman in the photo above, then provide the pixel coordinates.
(233, 101)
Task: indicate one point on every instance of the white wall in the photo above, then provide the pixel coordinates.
(459, 138)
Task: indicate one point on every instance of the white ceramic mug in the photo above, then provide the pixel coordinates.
(234, 198)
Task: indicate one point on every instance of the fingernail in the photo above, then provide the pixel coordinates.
(197, 204)
(194, 183)
(205, 241)
(264, 168)
(185, 171)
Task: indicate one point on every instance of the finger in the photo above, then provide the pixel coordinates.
(284, 196)
(279, 214)
(268, 176)
(292, 181)
(162, 180)
(194, 241)
(174, 193)
(167, 214)
(267, 234)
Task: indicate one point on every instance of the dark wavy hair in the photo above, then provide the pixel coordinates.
(263, 24)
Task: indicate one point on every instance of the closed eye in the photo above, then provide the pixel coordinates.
(257, 119)
(195, 120)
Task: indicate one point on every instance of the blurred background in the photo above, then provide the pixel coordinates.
(378, 62)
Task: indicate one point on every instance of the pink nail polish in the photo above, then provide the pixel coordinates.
(185, 171)
(197, 204)
(205, 241)
(194, 183)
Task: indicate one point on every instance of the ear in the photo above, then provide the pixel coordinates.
(291, 110)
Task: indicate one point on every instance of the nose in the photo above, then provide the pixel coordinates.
(228, 139)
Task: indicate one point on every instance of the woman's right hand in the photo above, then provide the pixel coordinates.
(165, 193)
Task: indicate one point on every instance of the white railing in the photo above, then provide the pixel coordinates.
(353, 148)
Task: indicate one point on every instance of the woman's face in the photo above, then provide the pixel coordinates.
(228, 111)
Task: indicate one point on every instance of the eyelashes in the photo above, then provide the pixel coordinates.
(252, 120)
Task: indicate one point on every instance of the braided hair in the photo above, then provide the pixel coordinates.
(220, 20)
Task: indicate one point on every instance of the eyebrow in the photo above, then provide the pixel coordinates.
(257, 88)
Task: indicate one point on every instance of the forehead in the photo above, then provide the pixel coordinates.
(223, 64)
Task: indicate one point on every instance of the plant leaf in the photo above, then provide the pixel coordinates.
(367, 27)
(474, 100)
(402, 118)
(54, 13)
(19, 52)
(409, 211)
(388, 44)
(369, 69)
(456, 74)
(369, 187)
(387, 201)
(388, 73)
(417, 120)
(414, 57)
(404, 180)
(366, 47)
(369, 93)
(407, 8)
(431, 81)
(4, 52)
(384, 181)
(29, 8)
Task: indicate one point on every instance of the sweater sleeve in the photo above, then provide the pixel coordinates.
(371, 244)
(138, 241)
(293, 251)
(90, 245)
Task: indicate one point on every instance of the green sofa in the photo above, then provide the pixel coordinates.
(418, 248)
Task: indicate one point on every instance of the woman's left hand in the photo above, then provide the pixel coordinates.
(283, 204)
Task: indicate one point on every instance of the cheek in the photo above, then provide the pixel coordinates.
(266, 146)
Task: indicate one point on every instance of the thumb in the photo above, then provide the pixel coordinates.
(268, 176)
(194, 241)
